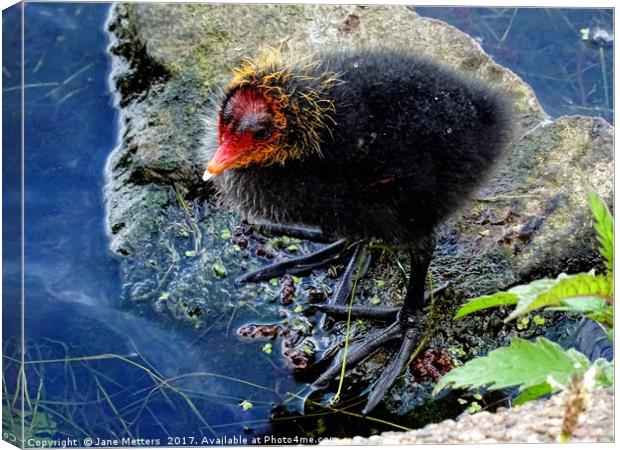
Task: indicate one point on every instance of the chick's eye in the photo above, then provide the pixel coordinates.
(261, 133)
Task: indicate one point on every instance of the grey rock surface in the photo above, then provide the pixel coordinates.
(181, 251)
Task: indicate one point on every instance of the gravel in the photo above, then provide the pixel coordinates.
(535, 422)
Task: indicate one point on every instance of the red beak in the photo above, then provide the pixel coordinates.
(223, 159)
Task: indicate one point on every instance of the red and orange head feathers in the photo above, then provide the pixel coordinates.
(249, 129)
(273, 110)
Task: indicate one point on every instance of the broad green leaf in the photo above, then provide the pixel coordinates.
(563, 287)
(532, 393)
(517, 294)
(485, 302)
(604, 226)
(584, 304)
(525, 364)
(528, 293)
(595, 308)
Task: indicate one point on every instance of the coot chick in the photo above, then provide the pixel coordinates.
(354, 146)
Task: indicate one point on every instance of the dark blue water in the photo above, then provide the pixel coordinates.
(547, 49)
(70, 127)
(147, 377)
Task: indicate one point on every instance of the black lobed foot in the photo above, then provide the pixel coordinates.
(403, 318)
(366, 347)
(302, 264)
(397, 363)
(401, 329)
(356, 269)
(297, 231)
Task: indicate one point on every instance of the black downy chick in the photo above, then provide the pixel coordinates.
(354, 146)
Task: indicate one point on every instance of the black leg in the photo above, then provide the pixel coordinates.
(415, 298)
(386, 313)
(357, 266)
(296, 231)
(294, 266)
(414, 302)
(401, 328)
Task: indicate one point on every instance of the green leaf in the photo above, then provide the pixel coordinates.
(595, 308)
(584, 304)
(528, 293)
(532, 393)
(225, 234)
(485, 302)
(474, 407)
(523, 363)
(523, 323)
(268, 348)
(553, 292)
(603, 372)
(604, 226)
(520, 295)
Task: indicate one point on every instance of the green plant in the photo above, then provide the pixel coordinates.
(538, 368)
(542, 367)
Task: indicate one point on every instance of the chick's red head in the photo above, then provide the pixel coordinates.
(249, 130)
(274, 109)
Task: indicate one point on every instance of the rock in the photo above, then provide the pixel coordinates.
(533, 422)
(531, 219)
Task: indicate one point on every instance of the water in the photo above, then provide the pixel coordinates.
(546, 48)
(70, 127)
(150, 377)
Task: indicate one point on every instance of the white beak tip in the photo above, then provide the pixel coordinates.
(207, 175)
